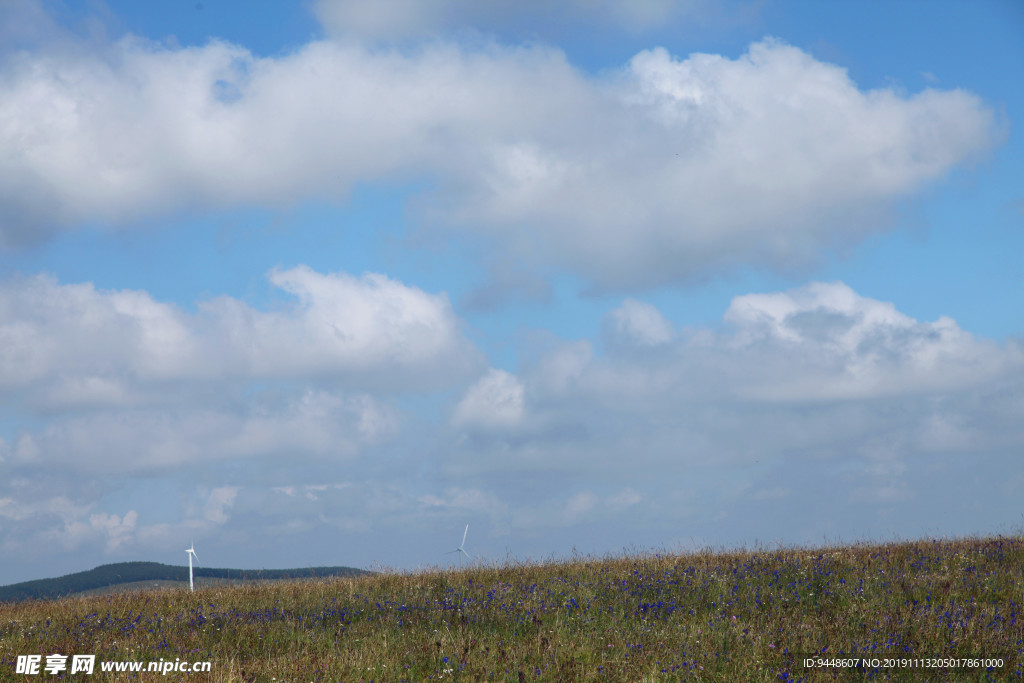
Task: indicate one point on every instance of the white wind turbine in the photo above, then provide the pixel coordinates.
(461, 550)
(191, 550)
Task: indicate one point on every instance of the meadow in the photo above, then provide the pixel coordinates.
(929, 610)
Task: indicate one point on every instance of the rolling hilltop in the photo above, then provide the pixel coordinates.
(129, 575)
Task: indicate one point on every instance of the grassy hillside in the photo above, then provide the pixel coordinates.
(735, 616)
(110, 576)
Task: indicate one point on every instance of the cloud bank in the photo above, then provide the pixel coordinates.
(816, 384)
(814, 372)
(70, 345)
(667, 170)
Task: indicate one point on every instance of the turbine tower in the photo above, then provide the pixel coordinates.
(191, 550)
(461, 550)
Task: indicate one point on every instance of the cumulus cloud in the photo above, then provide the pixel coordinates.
(813, 370)
(68, 332)
(817, 378)
(672, 169)
(709, 163)
(814, 389)
(637, 323)
(219, 501)
(141, 129)
(316, 424)
(828, 342)
(496, 400)
(561, 367)
(365, 325)
(819, 342)
(63, 522)
(115, 390)
(117, 529)
(71, 345)
(795, 388)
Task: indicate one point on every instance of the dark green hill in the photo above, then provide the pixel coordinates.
(133, 572)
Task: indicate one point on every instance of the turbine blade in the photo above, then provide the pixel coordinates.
(468, 556)
(464, 536)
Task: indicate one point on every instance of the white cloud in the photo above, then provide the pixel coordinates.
(144, 129)
(115, 390)
(820, 342)
(118, 530)
(61, 521)
(818, 372)
(636, 323)
(74, 346)
(218, 503)
(680, 168)
(806, 407)
(828, 342)
(496, 400)
(562, 367)
(369, 323)
(313, 425)
(66, 333)
(708, 163)
(26, 448)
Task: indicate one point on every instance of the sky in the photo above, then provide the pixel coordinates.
(322, 283)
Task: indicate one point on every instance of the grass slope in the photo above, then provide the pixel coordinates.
(729, 616)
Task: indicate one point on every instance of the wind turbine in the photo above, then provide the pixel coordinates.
(461, 550)
(191, 550)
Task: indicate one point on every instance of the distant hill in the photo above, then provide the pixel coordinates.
(154, 574)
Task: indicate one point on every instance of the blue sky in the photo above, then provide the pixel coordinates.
(322, 283)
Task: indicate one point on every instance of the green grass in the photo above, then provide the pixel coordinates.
(726, 616)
